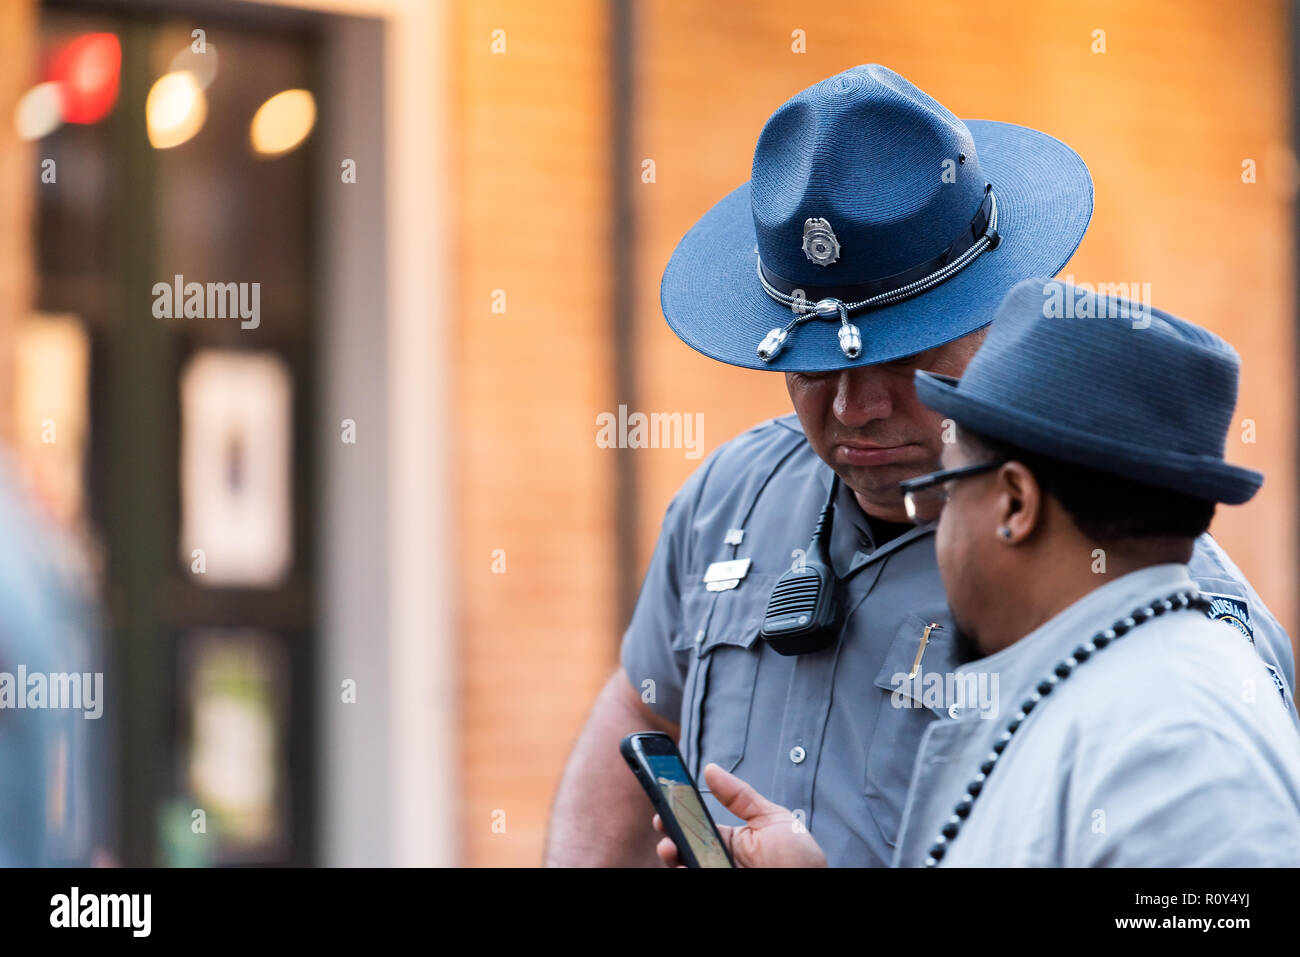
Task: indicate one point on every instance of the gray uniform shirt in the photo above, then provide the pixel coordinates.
(1167, 748)
(832, 735)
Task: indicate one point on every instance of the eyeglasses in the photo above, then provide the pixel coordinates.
(925, 495)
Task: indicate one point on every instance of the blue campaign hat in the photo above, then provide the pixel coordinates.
(1105, 382)
(875, 225)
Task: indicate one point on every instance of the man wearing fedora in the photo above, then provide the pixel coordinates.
(876, 237)
(1132, 730)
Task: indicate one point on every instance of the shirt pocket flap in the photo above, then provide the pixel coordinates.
(729, 618)
(928, 688)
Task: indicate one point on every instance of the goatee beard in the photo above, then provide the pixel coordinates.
(965, 645)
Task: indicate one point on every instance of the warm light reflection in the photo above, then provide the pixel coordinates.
(175, 109)
(202, 65)
(283, 122)
(39, 112)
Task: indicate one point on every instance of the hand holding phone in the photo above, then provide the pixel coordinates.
(654, 759)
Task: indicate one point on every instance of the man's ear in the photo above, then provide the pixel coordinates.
(1020, 503)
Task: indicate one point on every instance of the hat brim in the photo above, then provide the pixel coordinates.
(1198, 475)
(713, 301)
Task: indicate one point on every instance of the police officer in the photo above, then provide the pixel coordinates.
(876, 237)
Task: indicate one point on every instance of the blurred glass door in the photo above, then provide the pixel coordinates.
(176, 234)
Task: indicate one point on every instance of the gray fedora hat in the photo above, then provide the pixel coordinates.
(1103, 382)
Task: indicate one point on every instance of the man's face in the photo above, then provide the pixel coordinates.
(966, 545)
(868, 425)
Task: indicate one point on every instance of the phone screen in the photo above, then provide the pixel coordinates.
(675, 784)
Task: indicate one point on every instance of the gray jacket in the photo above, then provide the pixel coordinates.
(1170, 747)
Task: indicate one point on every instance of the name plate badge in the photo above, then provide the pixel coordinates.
(722, 576)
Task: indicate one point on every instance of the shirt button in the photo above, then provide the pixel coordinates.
(954, 711)
(797, 754)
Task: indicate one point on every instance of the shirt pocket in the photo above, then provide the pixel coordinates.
(905, 710)
(723, 628)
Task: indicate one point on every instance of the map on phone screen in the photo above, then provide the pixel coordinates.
(680, 794)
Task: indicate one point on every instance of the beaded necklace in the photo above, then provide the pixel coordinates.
(1188, 598)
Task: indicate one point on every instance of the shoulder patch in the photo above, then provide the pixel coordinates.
(1278, 683)
(1234, 611)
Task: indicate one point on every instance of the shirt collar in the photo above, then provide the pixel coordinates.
(852, 540)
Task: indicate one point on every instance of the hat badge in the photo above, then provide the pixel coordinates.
(819, 242)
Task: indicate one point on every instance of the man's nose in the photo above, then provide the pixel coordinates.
(862, 396)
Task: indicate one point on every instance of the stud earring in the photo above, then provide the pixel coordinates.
(1004, 532)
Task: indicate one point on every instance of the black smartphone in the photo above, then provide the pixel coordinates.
(654, 759)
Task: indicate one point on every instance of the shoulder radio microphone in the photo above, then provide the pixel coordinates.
(803, 610)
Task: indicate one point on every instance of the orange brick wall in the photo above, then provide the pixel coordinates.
(531, 182)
